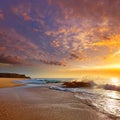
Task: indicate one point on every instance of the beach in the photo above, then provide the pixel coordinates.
(9, 82)
(42, 103)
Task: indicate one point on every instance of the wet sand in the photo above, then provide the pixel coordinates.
(35, 103)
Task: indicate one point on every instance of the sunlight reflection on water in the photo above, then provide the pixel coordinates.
(115, 81)
(109, 105)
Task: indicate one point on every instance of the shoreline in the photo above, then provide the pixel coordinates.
(42, 103)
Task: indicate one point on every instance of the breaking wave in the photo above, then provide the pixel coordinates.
(104, 101)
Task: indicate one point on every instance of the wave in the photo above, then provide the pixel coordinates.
(104, 101)
(39, 81)
(70, 84)
(90, 84)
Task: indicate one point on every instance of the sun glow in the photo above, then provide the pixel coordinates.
(115, 66)
(115, 81)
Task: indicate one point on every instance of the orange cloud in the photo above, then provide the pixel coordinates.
(112, 42)
(103, 29)
(107, 43)
(113, 58)
(116, 53)
(26, 16)
(55, 43)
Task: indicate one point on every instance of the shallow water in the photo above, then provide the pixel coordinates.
(105, 101)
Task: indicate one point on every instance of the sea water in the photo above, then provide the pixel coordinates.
(98, 97)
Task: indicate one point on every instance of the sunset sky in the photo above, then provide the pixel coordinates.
(59, 38)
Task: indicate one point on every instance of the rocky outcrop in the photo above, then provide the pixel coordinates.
(12, 75)
(76, 84)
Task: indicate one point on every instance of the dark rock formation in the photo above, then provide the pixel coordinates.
(12, 75)
(111, 87)
(75, 84)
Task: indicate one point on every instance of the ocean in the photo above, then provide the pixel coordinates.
(103, 95)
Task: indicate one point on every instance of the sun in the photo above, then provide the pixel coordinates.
(115, 81)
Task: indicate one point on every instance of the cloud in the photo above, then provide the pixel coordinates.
(89, 8)
(1, 15)
(112, 42)
(55, 44)
(50, 31)
(49, 2)
(2, 49)
(22, 10)
(7, 59)
(26, 16)
(17, 44)
(13, 39)
(58, 63)
(76, 57)
(117, 53)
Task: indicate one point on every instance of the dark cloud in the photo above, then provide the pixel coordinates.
(90, 8)
(74, 56)
(8, 59)
(17, 44)
(53, 63)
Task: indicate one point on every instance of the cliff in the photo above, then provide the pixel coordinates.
(12, 75)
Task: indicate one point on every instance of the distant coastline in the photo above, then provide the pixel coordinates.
(13, 75)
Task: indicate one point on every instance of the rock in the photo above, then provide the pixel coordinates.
(75, 84)
(12, 75)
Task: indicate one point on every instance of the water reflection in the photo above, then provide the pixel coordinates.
(109, 103)
(115, 81)
(112, 105)
(113, 94)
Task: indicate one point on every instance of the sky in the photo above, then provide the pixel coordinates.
(59, 38)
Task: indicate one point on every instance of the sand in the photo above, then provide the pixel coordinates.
(36, 103)
(8, 82)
